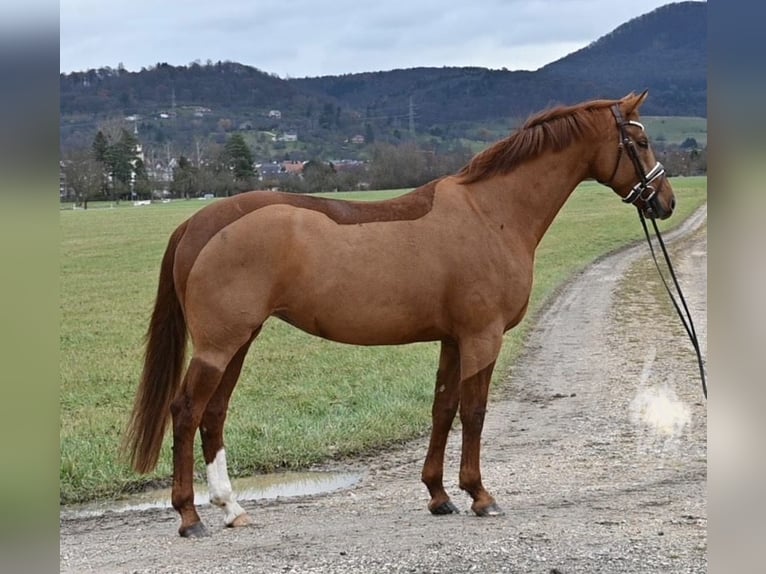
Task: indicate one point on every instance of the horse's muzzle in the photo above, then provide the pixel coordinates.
(653, 209)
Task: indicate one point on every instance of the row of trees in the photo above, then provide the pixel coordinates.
(389, 167)
(114, 169)
(230, 172)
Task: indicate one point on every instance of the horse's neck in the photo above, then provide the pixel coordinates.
(529, 197)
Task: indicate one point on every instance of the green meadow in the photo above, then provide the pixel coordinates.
(675, 129)
(300, 400)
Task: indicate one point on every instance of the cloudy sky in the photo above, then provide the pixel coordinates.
(298, 38)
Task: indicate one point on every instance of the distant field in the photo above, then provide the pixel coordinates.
(189, 206)
(666, 129)
(301, 399)
(675, 129)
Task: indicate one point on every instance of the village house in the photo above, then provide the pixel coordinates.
(292, 166)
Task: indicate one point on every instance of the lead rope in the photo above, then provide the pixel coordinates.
(690, 325)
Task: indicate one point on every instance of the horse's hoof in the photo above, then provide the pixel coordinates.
(196, 530)
(491, 510)
(445, 508)
(241, 520)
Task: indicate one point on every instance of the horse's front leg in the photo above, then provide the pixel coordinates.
(473, 407)
(446, 399)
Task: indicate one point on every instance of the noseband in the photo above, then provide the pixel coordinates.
(644, 189)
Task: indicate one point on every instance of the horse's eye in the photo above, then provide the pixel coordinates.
(643, 144)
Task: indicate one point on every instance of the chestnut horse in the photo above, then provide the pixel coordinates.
(451, 261)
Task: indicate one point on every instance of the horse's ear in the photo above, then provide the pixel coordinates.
(633, 102)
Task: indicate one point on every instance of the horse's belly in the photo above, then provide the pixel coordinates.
(364, 321)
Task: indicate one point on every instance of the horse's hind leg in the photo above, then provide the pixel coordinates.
(200, 382)
(446, 399)
(211, 432)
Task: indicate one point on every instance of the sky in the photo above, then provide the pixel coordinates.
(310, 38)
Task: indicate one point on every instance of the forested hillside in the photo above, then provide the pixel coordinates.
(664, 51)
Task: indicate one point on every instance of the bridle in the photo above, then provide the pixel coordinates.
(644, 189)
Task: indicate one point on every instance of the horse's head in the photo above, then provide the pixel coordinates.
(636, 175)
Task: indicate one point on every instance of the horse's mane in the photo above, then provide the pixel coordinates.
(550, 130)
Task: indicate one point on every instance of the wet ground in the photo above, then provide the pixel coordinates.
(253, 488)
(595, 446)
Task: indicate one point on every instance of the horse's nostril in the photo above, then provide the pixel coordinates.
(672, 203)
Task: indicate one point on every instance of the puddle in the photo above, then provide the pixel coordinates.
(260, 487)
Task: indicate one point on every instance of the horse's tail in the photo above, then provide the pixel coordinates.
(163, 364)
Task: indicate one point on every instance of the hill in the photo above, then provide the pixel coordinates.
(664, 51)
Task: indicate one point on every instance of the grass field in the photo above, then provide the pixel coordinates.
(675, 129)
(300, 399)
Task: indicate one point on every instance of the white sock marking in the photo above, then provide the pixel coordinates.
(219, 486)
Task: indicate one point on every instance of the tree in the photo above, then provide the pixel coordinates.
(217, 177)
(689, 143)
(99, 147)
(185, 179)
(319, 176)
(142, 187)
(84, 176)
(121, 158)
(397, 166)
(328, 117)
(239, 159)
(120, 162)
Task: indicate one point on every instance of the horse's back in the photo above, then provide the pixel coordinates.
(214, 218)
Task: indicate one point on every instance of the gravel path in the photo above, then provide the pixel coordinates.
(595, 447)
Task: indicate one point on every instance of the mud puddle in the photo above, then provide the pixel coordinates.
(259, 487)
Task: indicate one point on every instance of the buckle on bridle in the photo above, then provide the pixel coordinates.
(638, 190)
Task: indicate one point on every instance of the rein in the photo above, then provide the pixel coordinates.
(689, 326)
(644, 185)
